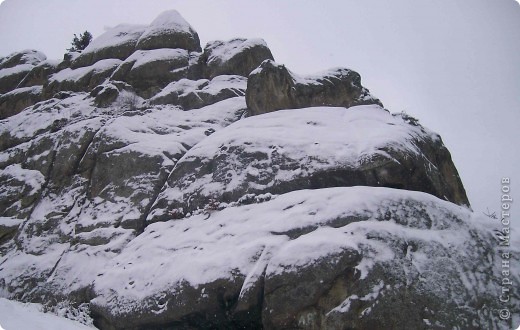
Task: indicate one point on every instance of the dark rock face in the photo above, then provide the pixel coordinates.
(15, 101)
(272, 87)
(148, 71)
(169, 30)
(39, 75)
(255, 156)
(234, 57)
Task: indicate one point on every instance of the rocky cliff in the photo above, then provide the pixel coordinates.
(157, 184)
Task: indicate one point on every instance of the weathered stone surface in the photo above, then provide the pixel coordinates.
(16, 66)
(10, 78)
(106, 94)
(272, 87)
(8, 229)
(190, 94)
(39, 75)
(157, 217)
(82, 79)
(148, 71)
(234, 57)
(19, 189)
(314, 148)
(169, 30)
(16, 100)
(320, 259)
(118, 42)
(101, 170)
(29, 56)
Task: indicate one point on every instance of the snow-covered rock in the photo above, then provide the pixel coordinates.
(310, 148)
(272, 87)
(301, 219)
(98, 172)
(39, 75)
(15, 67)
(18, 99)
(116, 43)
(234, 57)
(15, 315)
(194, 94)
(81, 79)
(169, 30)
(28, 56)
(312, 259)
(148, 71)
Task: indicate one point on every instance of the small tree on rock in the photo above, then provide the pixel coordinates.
(81, 42)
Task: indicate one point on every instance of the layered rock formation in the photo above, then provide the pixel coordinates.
(272, 87)
(132, 182)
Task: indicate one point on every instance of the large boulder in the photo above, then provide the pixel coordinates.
(272, 87)
(16, 100)
(357, 257)
(82, 79)
(28, 56)
(15, 67)
(118, 42)
(148, 71)
(310, 149)
(234, 57)
(195, 94)
(169, 30)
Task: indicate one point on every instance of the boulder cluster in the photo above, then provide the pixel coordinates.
(154, 184)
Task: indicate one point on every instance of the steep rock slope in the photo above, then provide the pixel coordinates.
(133, 184)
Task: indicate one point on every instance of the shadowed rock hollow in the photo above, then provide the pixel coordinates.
(158, 184)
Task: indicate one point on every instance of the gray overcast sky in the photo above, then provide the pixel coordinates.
(454, 64)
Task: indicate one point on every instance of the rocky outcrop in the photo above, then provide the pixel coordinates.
(234, 57)
(169, 30)
(272, 87)
(153, 61)
(16, 66)
(20, 188)
(82, 79)
(39, 75)
(114, 197)
(15, 101)
(106, 94)
(29, 57)
(315, 148)
(190, 94)
(148, 71)
(311, 259)
(116, 43)
(97, 172)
